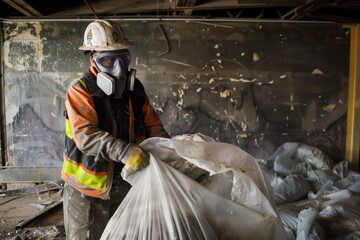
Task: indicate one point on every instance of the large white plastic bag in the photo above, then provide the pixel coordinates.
(215, 158)
(156, 208)
(165, 204)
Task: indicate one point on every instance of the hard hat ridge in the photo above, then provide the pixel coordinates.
(104, 35)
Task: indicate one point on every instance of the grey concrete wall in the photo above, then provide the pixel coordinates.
(256, 85)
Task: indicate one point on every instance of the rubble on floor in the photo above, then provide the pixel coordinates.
(32, 213)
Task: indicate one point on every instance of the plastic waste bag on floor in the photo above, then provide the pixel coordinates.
(163, 203)
(333, 194)
(341, 217)
(297, 158)
(292, 226)
(293, 188)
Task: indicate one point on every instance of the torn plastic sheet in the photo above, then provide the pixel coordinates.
(163, 203)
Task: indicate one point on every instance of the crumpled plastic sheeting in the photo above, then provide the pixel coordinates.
(290, 220)
(305, 220)
(328, 224)
(334, 193)
(351, 182)
(292, 158)
(350, 236)
(341, 217)
(293, 188)
(163, 203)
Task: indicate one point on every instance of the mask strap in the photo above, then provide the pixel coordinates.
(131, 80)
(93, 63)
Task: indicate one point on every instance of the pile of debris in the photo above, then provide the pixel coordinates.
(316, 198)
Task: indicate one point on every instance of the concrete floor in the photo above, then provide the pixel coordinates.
(31, 216)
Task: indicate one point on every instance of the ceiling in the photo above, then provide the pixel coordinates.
(340, 11)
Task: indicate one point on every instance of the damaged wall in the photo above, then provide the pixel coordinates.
(256, 85)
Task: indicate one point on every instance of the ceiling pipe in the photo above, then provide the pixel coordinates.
(157, 19)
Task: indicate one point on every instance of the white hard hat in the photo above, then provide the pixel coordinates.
(104, 35)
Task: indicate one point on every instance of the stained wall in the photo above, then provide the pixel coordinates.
(255, 85)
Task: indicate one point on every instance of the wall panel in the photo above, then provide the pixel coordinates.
(256, 85)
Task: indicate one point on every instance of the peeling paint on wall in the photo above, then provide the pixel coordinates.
(18, 49)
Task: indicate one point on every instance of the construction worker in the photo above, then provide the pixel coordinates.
(107, 114)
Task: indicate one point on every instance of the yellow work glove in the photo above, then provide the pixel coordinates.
(137, 160)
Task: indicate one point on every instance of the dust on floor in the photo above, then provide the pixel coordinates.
(31, 216)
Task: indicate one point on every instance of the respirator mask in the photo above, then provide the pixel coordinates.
(113, 76)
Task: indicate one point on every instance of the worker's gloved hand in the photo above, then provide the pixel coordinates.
(137, 159)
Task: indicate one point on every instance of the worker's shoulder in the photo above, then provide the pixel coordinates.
(78, 82)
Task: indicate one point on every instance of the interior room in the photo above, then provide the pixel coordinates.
(265, 93)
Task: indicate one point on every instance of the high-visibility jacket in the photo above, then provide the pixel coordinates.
(99, 129)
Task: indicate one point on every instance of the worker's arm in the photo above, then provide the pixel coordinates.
(86, 133)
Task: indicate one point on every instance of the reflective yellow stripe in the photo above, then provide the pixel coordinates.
(81, 81)
(68, 129)
(86, 179)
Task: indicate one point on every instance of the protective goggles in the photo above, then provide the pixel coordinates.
(111, 59)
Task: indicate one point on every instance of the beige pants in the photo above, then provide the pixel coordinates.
(85, 219)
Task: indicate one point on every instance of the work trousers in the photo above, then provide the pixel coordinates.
(87, 219)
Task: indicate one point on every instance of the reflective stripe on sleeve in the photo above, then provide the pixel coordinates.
(68, 129)
(95, 181)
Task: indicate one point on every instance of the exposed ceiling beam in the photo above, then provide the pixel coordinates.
(23, 7)
(237, 14)
(300, 11)
(333, 18)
